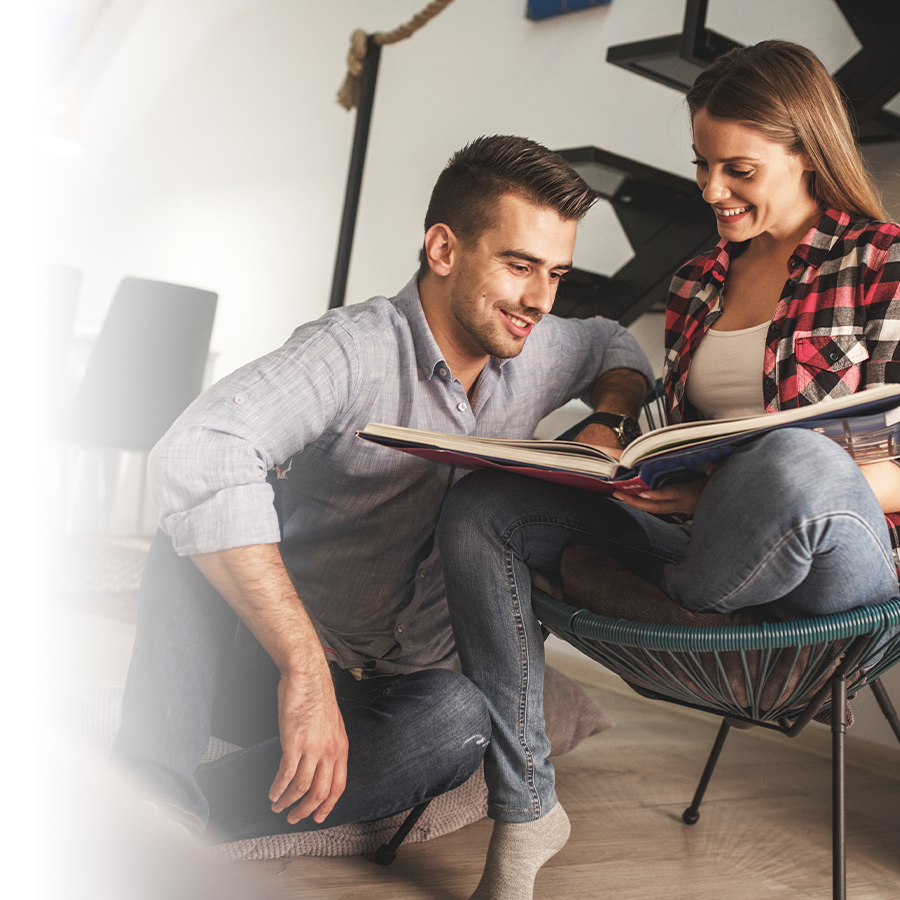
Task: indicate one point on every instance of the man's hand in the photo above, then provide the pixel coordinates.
(313, 750)
(314, 743)
(600, 436)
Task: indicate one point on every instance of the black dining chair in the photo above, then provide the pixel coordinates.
(147, 365)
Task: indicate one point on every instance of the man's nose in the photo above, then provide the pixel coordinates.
(541, 295)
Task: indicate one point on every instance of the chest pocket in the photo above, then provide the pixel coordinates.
(832, 352)
(828, 365)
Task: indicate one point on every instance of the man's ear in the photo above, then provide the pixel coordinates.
(441, 246)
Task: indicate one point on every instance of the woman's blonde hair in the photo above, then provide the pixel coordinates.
(784, 91)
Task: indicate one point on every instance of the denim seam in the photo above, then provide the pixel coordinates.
(522, 719)
(181, 809)
(789, 536)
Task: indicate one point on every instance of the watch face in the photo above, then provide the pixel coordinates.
(630, 429)
(626, 428)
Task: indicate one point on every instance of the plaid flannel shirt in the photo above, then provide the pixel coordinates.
(836, 329)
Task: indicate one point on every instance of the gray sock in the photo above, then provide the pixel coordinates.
(516, 852)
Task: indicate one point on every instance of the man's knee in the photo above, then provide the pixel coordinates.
(458, 718)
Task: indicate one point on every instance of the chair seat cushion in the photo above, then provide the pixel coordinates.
(746, 683)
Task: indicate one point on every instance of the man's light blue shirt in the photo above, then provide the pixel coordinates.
(358, 520)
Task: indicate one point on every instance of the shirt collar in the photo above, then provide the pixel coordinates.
(716, 264)
(819, 241)
(428, 355)
(813, 250)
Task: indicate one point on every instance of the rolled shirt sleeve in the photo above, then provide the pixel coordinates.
(208, 473)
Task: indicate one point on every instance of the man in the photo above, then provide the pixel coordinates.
(322, 546)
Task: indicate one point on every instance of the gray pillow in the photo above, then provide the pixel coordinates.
(92, 716)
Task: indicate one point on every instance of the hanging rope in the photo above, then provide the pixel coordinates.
(348, 95)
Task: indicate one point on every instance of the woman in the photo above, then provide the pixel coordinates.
(803, 284)
(798, 302)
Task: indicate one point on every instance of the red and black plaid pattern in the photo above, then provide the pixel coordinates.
(836, 329)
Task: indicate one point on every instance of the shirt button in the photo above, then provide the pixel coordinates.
(239, 399)
(423, 573)
(462, 407)
(399, 629)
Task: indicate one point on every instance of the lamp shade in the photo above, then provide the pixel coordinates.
(57, 122)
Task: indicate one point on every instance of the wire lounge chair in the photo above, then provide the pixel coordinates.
(775, 675)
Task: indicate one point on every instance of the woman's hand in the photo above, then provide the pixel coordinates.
(681, 498)
(675, 498)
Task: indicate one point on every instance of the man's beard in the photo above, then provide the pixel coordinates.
(485, 332)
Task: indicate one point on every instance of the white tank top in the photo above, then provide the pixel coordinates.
(725, 377)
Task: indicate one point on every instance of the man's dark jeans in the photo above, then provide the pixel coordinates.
(197, 671)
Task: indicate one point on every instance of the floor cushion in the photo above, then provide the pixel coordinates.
(92, 715)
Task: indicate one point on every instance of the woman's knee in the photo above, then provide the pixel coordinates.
(476, 510)
(802, 468)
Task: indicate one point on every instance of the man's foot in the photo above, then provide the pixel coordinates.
(516, 852)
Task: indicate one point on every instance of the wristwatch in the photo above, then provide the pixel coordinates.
(625, 427)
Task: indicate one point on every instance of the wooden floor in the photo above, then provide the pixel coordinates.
(764, 832)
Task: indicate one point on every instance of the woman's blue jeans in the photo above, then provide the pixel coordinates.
(196, 670)
(789, 521)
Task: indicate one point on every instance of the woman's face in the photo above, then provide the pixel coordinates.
(753, 184)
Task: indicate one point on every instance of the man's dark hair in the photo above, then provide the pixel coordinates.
(466, 194)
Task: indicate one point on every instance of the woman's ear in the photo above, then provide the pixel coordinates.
(805, 164)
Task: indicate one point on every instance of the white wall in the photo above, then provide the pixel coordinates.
(216, 156)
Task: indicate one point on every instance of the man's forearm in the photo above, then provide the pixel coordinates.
(313, 770)
(620, 391)
(255, 583)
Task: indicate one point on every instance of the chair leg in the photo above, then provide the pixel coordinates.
(838, 730)
(884, 701)
(692, 813)
(387, 853)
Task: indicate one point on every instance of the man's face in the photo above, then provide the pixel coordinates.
(505, 282)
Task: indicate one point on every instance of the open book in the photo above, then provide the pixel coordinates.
(866, 424)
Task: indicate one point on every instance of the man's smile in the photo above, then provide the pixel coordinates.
(520, 325)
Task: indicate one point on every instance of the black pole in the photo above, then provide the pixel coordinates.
(692, 32)
(354, 176)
